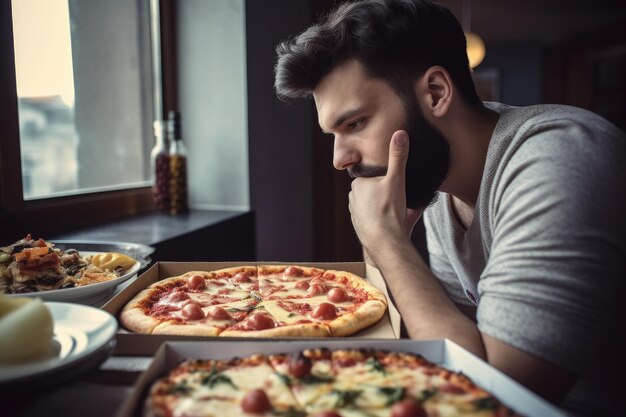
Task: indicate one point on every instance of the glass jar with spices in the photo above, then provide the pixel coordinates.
(178, 165)
(160, 166)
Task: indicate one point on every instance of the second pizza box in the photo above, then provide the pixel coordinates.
(129, 343)
(442, 352)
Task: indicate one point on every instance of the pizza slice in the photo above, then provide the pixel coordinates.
(378, 380)
(310, 375)
(242, 277)
(341, 301)
(195, 303)
(239, 386)
(283, 281)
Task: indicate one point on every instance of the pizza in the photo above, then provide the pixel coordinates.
(256, 301)
(33, 265)
(322, 383)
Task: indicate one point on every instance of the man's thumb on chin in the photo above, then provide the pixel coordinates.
(398, 153)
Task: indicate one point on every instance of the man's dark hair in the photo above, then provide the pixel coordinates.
(395, 40)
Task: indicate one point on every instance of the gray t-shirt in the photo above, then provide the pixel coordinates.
(544, 256)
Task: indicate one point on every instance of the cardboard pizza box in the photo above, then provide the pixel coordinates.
(442, 352)
(128, 343)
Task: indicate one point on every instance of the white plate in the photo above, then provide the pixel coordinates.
(89, 294)
(81, 334)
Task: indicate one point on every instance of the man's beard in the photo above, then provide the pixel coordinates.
(427, 165)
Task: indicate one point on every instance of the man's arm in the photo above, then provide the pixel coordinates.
(378, 209)
(428, 313)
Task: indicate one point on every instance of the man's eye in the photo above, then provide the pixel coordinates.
(356, 124)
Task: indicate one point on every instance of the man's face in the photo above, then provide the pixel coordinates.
(363, 113)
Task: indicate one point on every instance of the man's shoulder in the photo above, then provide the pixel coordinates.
(530, 119)
(552, 130)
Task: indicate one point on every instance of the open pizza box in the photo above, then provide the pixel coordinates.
(442, 352)
(129, 343)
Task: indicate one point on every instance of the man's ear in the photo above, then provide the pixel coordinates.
(435, 91)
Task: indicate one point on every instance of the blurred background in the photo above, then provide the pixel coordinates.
(559, 51)
(83, 80)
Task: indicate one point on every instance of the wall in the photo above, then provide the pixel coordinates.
(281, 155)
(212, 98)
(520, 68)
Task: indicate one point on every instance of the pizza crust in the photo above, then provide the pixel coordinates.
(350, 323)
(190, 329)
(136, 320)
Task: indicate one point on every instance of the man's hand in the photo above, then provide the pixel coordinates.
(378, 205)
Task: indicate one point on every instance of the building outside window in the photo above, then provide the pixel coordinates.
(85, 95)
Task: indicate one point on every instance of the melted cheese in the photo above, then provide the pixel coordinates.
(224, 399)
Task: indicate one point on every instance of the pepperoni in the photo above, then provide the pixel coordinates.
(316, 289)
(196, 282)
(299, 365)
(324, 311)
(302, 285)
(242, 277)
(337, 295)
(193, 311)
(292, 271)
(256, 401)
(345, 362)
(260, 321)
(217, 313)
(408, 408)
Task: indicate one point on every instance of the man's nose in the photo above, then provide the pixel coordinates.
(344, 156)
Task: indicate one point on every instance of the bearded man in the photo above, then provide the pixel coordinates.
(523, 206)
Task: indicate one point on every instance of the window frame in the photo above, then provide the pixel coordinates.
(19, 216)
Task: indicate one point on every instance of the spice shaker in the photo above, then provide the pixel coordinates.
(160, 166)
(178, 165)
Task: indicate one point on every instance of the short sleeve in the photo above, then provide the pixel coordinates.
(557, 254)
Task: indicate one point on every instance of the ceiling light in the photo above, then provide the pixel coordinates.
(475, 49)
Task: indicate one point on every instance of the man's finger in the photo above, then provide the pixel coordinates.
(398, 154)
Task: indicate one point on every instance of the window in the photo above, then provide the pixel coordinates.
(92, 105)
(84, 90)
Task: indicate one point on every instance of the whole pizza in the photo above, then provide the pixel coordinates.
(257, 301)
(320, 383)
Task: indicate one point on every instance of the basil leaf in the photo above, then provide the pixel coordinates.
(316, 379)
(394, 394)
(346, 398)
(284, 378)
(240, 310)
(486, 403)
(215, 377)
(180, 388)
(376, 365)
(426, 394)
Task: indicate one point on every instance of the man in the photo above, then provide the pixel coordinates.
(523, 207)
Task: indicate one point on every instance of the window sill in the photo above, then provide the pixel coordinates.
(199, 235)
